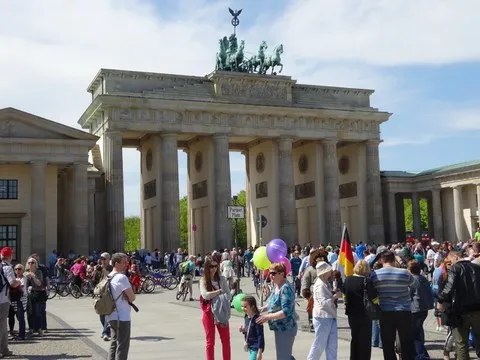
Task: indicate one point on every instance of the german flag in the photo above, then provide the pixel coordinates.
(346, 254)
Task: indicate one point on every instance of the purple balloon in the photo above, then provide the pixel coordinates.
(276, 250)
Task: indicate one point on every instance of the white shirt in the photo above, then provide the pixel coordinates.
(323, 303)
(430, 256)
(119, 284)
(10, 276)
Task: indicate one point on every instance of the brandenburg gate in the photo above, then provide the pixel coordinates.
(311, 152)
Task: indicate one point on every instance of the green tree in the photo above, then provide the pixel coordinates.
(241, 223)
(184, 222)
(132, 233)
(407, 203)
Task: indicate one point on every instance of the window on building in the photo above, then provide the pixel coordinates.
(9, 237)
(8, 189)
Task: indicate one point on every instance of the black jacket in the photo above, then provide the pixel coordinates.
(462, 289)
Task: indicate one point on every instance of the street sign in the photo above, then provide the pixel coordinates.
(236, 212)
(194, 227)
(263, 221)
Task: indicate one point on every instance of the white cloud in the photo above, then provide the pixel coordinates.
(51, 49)
(463, 119)
(382, 32)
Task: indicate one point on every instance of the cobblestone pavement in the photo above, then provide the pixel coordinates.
(61, 342)
(170, 328)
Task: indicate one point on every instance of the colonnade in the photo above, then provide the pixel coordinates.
(164, 214)
(447, 219)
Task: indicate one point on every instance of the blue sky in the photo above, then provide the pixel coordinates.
(421, 57)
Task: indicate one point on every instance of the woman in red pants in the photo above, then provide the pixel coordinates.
(215, 303)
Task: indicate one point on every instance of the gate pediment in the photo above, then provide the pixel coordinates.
(19, 124)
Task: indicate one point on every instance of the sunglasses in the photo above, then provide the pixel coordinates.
(213, 266)
(18, 269)
(31, 262)
(273, 273)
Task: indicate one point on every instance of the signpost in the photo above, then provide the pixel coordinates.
(236, 212)
(261, 222)
(194, 230)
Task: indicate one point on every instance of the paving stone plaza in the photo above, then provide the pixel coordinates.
(169, 329)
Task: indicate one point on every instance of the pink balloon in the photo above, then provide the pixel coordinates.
(288, 265)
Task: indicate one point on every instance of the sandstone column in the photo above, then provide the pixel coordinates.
(80, 209)
(417, 223)
(478, 200)
(113, 165)
(437, 215)
(392, 211)
(170, 196)
(458, 212)
(374, 194)
(38, 207)
(248, 209)
(223, 193)
(332, 197)
(288, 215)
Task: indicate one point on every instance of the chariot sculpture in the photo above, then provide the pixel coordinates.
(231, 54)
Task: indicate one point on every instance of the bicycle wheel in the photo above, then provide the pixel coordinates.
(52, 291)
(180, 292)
(185, 292)
(62, 290)
(148, 285)
(75, 291)
(86, 288)
(171, 282)
(266, 292)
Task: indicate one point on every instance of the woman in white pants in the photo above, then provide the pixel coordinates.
(324, 315)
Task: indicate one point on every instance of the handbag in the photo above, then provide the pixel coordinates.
(373, 310)
(245, 344)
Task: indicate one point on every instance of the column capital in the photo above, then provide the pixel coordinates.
(329, 141)
(373, 142)
(112, 132)
(169, 135)
(218, 136)
(38, 163)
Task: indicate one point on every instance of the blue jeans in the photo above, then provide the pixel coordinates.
(253, 354)
(21, 319)
(39, 314)
(326, 339)
(105, 325)
(376, 338)
(284, 343)
(419, 335)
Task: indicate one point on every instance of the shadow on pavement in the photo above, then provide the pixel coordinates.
(150, 338)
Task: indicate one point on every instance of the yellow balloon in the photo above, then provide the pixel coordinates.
(260, 258)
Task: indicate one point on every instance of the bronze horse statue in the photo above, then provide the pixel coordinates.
(274, 60)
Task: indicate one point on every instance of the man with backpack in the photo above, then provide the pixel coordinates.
(101, 271)
(187, 270)
(120, 321)
(7, 281)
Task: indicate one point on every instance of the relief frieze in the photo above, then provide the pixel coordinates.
(254, 89)
(246, 121)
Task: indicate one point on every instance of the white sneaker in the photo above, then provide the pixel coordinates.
(105, 338)
(438, 328)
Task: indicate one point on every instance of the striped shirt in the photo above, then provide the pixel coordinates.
(393, 286)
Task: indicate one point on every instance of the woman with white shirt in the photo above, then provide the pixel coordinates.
(324, 315)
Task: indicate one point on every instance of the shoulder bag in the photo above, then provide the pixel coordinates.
(373, 310)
